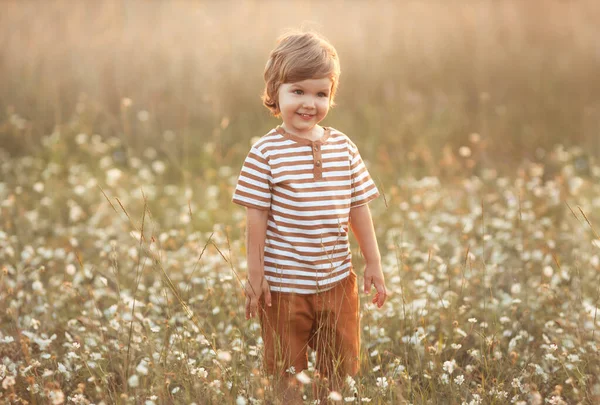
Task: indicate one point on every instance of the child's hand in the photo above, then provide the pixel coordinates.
(374, 276)
(253, 294)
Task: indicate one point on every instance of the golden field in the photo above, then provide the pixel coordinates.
(123, 125)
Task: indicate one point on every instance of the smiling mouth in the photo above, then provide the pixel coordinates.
(306, 115)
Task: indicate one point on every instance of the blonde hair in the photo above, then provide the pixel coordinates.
(299, 56)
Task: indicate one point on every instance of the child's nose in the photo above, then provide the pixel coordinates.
(308, 102)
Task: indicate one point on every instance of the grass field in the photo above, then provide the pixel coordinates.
(123, 125)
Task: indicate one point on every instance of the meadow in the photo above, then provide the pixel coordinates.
(123, 126)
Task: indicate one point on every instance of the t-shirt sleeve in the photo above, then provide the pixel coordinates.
(253, 188)
(363, 186)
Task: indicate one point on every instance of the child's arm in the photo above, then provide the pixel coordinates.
(362, 227)
(256, 232)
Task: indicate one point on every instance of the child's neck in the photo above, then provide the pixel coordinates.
(314, 134)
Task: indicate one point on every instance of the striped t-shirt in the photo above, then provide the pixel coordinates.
(308, 188)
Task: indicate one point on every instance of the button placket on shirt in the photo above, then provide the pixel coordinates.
(317, 160)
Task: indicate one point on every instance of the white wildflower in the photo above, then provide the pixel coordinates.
(476, 400)
(112, 176)
(70, 269)
(159, 167)
(201, 372)
(351, 383)
(464, 151)
(142, 368)
(38, 187)
(461, 332)
(81, 138)
(56, 397)
(72, 355)
(335, 396)
(78, 399)
(133, 381)
(8, 381)
(382, 382)
(38, 287)
(303, 378)
(445, 379)
(449, 366)
(499, 393)
(556, 400)
(224, 356)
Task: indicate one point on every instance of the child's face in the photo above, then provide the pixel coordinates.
(304, 104)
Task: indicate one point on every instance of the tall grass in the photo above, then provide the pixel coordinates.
(122, 287)
(123, 125)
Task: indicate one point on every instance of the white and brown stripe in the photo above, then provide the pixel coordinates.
(309, 188)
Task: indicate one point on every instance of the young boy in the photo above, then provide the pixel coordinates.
(303, 186)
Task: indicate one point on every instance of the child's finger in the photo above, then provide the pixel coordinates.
(381, 294)
(267, 295)
(252, 308)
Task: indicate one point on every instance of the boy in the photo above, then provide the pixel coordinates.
(303, 186)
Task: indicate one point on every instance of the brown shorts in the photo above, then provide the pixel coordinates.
(326, 322)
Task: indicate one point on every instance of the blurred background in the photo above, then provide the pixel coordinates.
(123, 127)
(420, 79)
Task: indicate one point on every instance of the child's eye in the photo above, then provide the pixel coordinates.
(322, 94)
(297, 91)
